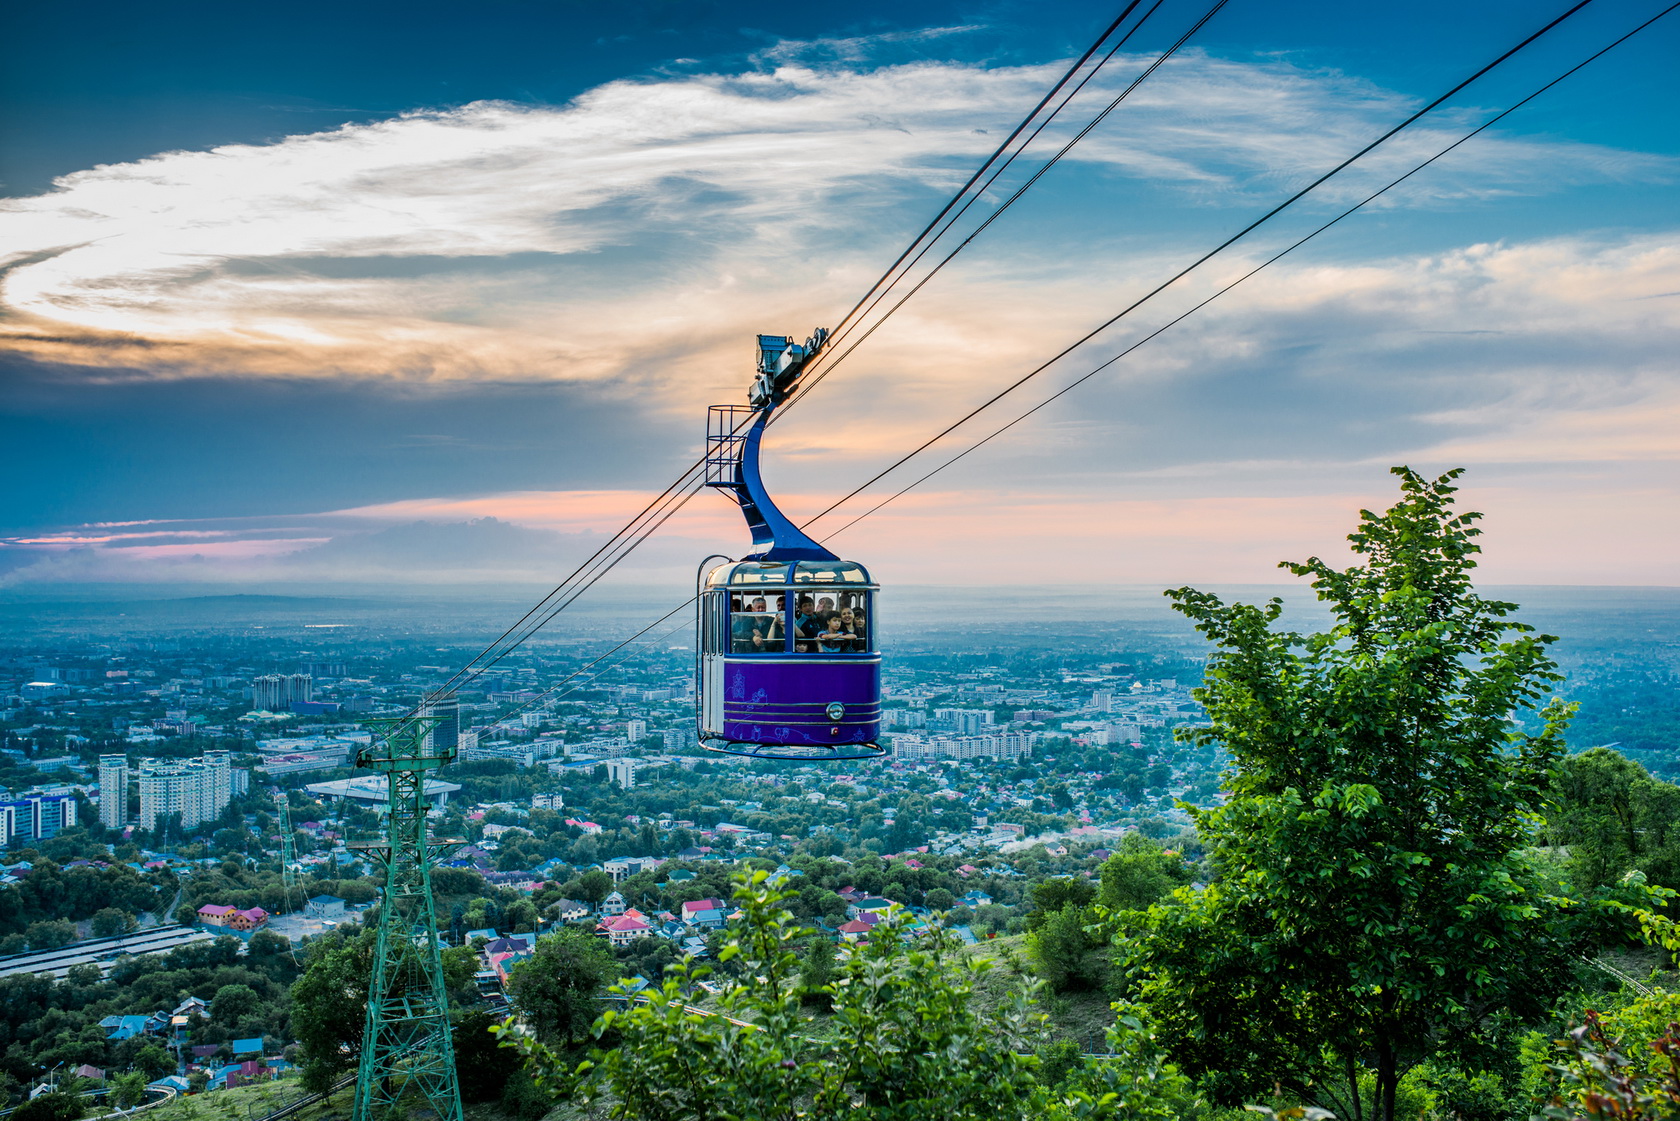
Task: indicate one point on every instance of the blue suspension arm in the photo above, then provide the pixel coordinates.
(774, 535)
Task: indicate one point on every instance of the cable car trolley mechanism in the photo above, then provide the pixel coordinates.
(787, 663)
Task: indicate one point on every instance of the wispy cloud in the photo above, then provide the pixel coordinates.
(636, 233)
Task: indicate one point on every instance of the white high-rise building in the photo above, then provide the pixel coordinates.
(163, 791)
(635, 730)
(999, 745)
(215, 786)
(113, 791)
(965, 721)
(196, 789)
(275, 692)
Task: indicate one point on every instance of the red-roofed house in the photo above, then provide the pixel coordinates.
(623, 930)
(214, 914)
(856, 930)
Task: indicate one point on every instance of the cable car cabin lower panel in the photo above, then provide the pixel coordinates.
(805, 700)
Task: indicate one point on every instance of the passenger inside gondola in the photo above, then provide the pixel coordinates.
(754, 626)
(853, 623)
(834, 639)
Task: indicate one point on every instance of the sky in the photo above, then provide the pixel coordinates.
(318, 295)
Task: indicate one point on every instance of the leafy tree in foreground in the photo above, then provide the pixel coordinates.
(1373, 907)
(906, 1042)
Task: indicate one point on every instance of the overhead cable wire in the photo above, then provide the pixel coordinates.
(1489, 123)
(1191, 311)
(883, 286)
(548, 694)
(1156, 64)
(1462, 140)
(1078, 65)
(677, 494)
(1198, 262)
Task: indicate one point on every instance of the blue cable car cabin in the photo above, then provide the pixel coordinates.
(787, 666)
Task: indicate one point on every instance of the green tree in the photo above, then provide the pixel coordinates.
(558, 989)
(594, 886)
(129, 1090)
(1140, 873)
(154, 1062)
(1373, 907)
(460, 969)
(108, 922)
(1613, 818)
(232, 1004)
(817, 972)
(520, 917)
(50, 934)
(329, 1005)
(1052, 895)
(482, 1065)
(907, 1040)
(1069, 951)
(51, 1106)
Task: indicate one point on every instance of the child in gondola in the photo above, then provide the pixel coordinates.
(835, 639)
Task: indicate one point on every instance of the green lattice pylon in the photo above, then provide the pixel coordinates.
(407, 1057)
(288, 849)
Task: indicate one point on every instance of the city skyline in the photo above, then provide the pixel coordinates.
(300, 321)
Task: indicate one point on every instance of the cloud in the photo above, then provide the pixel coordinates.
(635, 235)
(515, 266)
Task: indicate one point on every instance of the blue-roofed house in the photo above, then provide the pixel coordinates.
(124, 1027)
(711, 918)
(248, 1046)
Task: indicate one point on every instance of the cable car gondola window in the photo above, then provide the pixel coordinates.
(830, 572)
(832, 622)
(755, 623)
